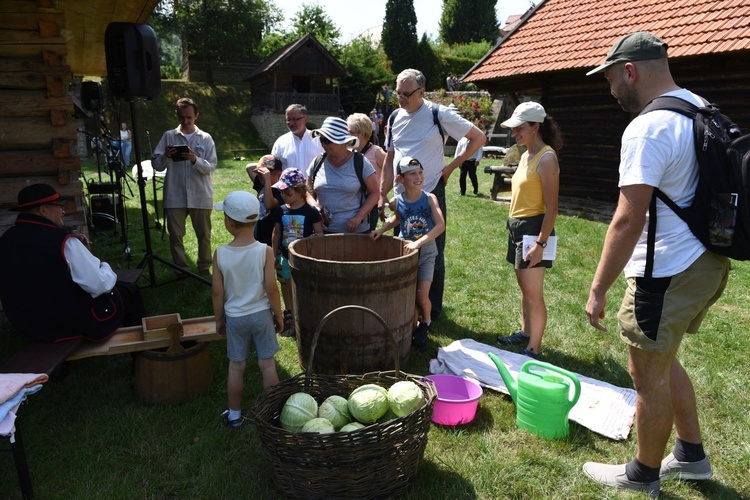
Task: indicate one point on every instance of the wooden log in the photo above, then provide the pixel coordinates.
(18, 103)
(33, 133)
(15, 6)
(32, 51)
(130, 339)
(34, 163)
(9, 188)
(33, 66)
(29, 20)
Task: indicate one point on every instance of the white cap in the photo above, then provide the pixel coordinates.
(240, 206)
(525, 112)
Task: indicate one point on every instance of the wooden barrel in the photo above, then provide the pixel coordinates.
(347, 269)
(165, 378)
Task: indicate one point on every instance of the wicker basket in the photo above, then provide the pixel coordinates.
(377, 461)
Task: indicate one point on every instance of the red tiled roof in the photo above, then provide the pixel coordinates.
(567, 34)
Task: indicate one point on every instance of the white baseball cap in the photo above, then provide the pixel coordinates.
(240, 206)
(525, 112)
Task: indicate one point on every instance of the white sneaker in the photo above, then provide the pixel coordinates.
(697, 471)
(614, 475)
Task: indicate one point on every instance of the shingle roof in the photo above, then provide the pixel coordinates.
(567, 34)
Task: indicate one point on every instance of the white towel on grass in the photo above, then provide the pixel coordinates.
(604, 408)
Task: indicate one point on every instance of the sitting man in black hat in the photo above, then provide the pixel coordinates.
(51, 286)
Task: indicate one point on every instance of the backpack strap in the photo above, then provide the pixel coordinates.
(690, 110)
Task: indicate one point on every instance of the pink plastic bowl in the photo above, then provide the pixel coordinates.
(457, 399)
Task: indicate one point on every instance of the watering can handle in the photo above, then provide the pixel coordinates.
(564, 373)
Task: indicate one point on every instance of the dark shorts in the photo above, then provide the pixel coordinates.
(517, 228)
(657, 312)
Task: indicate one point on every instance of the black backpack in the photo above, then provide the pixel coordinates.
(719, 215)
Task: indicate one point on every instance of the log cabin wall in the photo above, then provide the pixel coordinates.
(37, 126)
(592, 122)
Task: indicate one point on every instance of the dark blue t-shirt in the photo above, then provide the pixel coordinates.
(295, 224)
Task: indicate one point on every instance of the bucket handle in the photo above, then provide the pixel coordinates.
(565, 373)
(325, 319)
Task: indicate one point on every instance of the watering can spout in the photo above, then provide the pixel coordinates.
(505, 374)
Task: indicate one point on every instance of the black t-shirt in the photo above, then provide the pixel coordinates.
(264, 227)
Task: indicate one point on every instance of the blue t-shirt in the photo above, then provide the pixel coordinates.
(415, 217)
(295, 224)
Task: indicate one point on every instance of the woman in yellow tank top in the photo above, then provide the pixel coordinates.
(533, 209)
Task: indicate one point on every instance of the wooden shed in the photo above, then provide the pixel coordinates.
(548, 54)
(43, 44)
(301, 72)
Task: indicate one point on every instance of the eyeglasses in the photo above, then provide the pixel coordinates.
(289, 120)
(408, 94)
(325, 140)
(61, 206)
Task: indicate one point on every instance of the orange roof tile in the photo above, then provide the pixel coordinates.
(567, 34)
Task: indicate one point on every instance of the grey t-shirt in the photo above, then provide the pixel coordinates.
(338, 191)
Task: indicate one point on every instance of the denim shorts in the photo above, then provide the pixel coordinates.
(517, 228)
(258, 328)
(657, 312)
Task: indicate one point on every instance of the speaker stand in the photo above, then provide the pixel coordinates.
(150, 256)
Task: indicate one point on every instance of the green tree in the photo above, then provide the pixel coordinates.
(399, 38)
(366, 73)
(428, 64)
(466, 21)
(220, 31)
(312, 18)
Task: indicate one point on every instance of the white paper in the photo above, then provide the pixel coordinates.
(550, 252)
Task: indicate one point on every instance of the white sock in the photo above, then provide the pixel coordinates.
(235, 414)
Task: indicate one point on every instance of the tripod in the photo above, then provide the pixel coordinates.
(150, 256)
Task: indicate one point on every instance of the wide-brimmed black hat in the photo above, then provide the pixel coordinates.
(38, 194)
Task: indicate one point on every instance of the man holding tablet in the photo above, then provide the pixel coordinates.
(188, 189)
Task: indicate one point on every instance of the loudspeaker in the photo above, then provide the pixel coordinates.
(132, 60)
(103, 211)
(91, 96)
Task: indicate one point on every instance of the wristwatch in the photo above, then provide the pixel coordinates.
(542, 244)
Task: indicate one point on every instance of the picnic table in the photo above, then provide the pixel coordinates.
(503, 174)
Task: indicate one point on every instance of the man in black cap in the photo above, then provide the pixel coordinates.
(51, 286)
(659, 306)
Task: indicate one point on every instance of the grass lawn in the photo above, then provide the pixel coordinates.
(88, 436)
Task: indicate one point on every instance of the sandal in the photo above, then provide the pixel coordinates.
(288, 324)
(516, 338)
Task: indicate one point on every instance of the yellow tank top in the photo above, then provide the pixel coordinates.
(527, 198)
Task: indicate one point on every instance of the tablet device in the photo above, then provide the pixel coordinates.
(178, 150)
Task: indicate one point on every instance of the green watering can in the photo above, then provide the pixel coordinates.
(542, 398)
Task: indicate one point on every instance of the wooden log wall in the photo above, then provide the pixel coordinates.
(37, 128)
(592, 122)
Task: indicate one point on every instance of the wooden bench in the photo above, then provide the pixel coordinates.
(494, 151)
(38, 357)
(502, 175)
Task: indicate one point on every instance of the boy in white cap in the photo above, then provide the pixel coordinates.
(246, 300)
(421, 221)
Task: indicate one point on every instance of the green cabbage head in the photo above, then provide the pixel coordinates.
(319, 425)
(298, 410)
(405, 397)
(336, 410)
(352, 426)
(368, 403)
